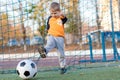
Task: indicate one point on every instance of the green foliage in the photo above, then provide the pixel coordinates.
(38, 14)
(31, 9)
(72, 26)
(41, 29)
(72, 13)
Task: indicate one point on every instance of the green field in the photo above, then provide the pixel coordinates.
(101, 73)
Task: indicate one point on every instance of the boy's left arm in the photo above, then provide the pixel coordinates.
(63, 17)
(64, 20)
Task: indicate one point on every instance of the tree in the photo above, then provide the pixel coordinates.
(22, 24)
(119, 8)
(4, 27)
(39, 13)
(98, 21)
(74, 19)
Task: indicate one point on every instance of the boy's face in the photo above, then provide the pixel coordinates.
(55, 13)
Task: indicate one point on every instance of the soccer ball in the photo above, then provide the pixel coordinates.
(26, 69)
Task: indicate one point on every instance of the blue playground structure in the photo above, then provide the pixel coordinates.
(104, 37)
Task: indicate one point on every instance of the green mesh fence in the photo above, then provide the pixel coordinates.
(23, 20)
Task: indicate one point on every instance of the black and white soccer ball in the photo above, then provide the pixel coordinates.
(26, 69)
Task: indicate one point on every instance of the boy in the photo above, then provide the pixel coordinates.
(55, 37)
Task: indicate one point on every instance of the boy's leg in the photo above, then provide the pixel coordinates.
(50, 45)
(62, 60)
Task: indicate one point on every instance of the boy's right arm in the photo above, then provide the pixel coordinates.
(48, 26)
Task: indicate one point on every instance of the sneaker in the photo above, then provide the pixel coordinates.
(63, 70)
(41, 50)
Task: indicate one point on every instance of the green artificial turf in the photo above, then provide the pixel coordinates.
(101, 73)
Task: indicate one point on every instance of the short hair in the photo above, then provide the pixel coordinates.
(55, 6)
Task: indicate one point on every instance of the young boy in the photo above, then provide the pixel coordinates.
(55, 37)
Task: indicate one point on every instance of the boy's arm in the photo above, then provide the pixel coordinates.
(63, 17)
(48, 26)
(64, 20)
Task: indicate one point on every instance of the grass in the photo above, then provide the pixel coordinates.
(101, 73)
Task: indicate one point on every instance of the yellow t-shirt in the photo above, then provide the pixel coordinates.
(56, 27)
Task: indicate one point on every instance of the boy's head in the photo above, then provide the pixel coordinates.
(55, 9)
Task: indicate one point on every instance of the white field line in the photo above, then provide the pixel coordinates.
(67, 53)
